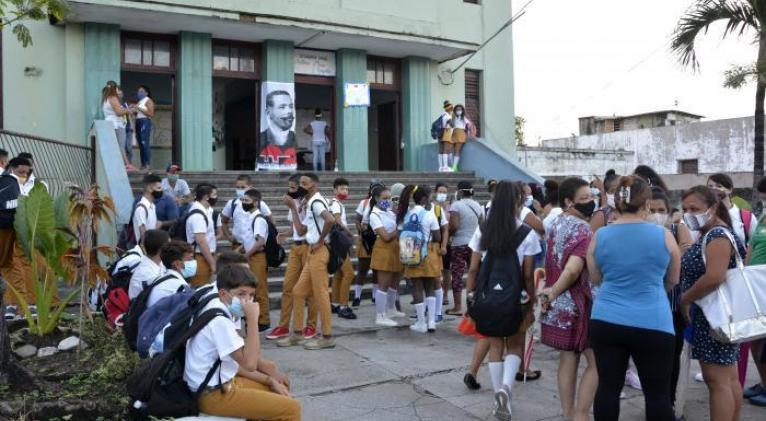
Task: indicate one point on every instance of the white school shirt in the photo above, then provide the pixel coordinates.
(146, 273)
(386, 220)
(363, 210)
(131, 260)
(217, 340)
(427, 225)
(144, 216)
(529, 247)
(459, 122)
(739, 225)
(336, 207)
(167, 287)
(302, 215)
(195, 224)
(258, 227)
(317, 205)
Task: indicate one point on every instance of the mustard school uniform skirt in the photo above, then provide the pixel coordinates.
(361, 252)
(385, 256)
(458, 136)
(447, 135)
(431, 267)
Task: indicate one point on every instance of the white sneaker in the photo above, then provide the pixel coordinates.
(502, 405)
(419, 327)
(698, 377)
(632, 380)
(394, 313)
(382, 320)
(432, 326)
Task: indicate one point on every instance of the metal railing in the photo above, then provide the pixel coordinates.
(57, 163)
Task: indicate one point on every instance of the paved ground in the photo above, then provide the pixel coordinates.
(394, 374)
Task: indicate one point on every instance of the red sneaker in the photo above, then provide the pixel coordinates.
(309, 333)
(278, 332)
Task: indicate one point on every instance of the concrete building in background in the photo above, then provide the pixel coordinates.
(205, 62)
(594, 125)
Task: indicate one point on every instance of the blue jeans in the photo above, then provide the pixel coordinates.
(144, 137)
(319, 156)
(128, 144)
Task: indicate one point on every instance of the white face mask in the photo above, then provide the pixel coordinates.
(660, 219)
(529, 200)
(610, 200)
(695, 221)
(441, 197)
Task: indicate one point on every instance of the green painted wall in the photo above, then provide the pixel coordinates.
(102, 63)
(195, 90)
(351, 134)
(416, 109)
(278, 61)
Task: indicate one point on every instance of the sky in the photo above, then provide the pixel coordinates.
(575, 58)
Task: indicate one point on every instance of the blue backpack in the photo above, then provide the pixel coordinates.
(175, 311)
(413, 244)
(437, 129)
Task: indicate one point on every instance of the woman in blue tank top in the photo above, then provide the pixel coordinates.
(636, 262)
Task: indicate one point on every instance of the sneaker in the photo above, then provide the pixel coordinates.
(632, 380)
(420, 327)
(432, 326)
(278, 332)
(391, 313)
(293, 340)
(346, 313)
(130, 168)
(309, 333)
(398, 305)
(321, 343)
(11, 312)
(470, 382)
(382, 320)
(439, 319)
(334, 309)
(758, 400)
(355, 303)
(755, 390)
(698, 378)
(263, 328)
(502, 405)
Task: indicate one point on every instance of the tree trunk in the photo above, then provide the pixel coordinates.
(760, 92)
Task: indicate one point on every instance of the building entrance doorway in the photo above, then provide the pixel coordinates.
(384, 133)
(312, 94)
(235, 123)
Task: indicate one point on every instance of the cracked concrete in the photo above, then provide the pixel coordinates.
(393, 374)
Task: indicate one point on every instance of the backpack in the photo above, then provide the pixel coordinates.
(368, 236)
(178, 230)
(413, 244)
(169, 319)
(127, 239)
(157, 388)
(496, 308)
(137, 308)
(437, 128)
(340, 242)
(115, 301)
(275, 253)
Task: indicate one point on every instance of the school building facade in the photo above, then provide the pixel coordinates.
(205, 62)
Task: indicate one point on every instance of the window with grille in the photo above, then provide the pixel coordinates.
(382, 73)
(688, 166)
(473, 98)
(140, 51)
(234, 59)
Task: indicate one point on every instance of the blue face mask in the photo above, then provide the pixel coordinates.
(240, 193)
(190, 269)
(141, 95)
(236, 308)
(384, 205)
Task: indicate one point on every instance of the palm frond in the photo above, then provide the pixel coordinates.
(739, 16)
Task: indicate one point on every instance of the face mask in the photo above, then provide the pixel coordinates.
(190, 269)
(441, 197)
(248, 206)
(22, 180)
(141, 95)
(240, 193)
(212, 201)
(594, 191)
(610, 200)
(157, 194)
(659, 218)
(586, 209)
(173, 178)
(236, 308)
(695, 221)
(529, 200)
(341, 197)
(297, 194)
(384, 205)
(458, 113)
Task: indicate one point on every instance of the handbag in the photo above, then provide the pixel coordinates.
(735, 310)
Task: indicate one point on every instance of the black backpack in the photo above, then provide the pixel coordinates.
(137, 307)
(127, 239)
(178, 230)
(157, 388)
(340, 242)
(275, 253)
(496, 308)
(437, 129)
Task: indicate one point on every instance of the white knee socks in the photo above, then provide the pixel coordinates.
(510, 368)
(392, 293)
(420, 310)
(449, 159)
(431, 304)
(358, 292)
(380, 301)
(439, 294)
(455, 161)
(496, 373)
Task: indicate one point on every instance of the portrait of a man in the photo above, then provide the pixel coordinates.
(277, 143)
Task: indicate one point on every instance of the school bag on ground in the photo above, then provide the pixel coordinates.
(340, 242)
(413, 244)
(115, 301)
(496, 308)
(157, 388)
(137, 308)
(275, 253)
(178, 229)
(127, 239)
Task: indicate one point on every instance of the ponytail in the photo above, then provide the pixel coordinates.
(404, 203)
(632, 194)
(374, 195)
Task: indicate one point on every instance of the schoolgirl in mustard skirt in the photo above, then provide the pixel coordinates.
(431, 267)
(385, 256)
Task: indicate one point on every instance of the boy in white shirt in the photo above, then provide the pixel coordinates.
(235, 219)
(253, 247)
(151, 266)
(341, 280)
(178, 258)
(201, 232)
(145, 213)
(245, 386)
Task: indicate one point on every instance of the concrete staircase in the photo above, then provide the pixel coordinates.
(273, 185)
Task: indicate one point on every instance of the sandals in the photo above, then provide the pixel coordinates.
(453, 312)
(470, 382)
(534, 375)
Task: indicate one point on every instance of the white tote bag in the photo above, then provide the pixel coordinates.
(735, 310)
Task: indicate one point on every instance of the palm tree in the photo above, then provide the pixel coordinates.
(740, 17)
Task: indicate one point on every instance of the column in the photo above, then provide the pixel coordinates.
(351, 122)
(278, 61)
(195, 90)
(416, 109)
(102, 63)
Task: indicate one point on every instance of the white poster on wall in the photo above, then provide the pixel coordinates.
(315, 63)
(276, 143)
(356, 94)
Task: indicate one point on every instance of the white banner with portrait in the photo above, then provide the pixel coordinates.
(276, 142)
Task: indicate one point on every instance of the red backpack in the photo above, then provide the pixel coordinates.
(116, 300)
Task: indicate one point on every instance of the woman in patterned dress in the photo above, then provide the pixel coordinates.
(700, 277)
(568, 298)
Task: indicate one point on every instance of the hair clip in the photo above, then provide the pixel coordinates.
(415, 189)
(625, 194)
